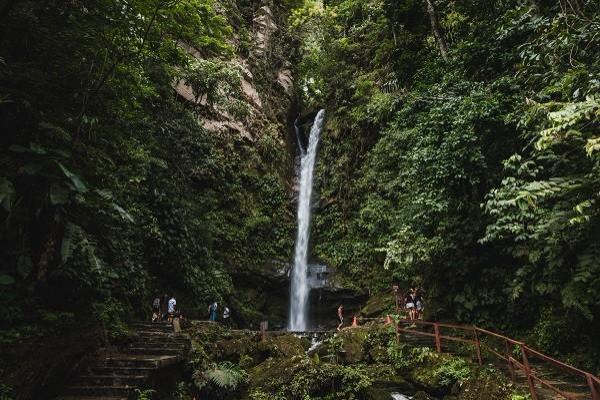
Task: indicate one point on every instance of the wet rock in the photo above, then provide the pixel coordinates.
(420, 395)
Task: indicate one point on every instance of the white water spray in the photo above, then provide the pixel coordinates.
(300, 287)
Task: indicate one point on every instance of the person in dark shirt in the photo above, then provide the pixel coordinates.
(156, 309)
(419, 304)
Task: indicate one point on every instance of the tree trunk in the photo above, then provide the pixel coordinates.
(5, 7)
(435, 27)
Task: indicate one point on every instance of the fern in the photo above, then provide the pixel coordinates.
(144, 394)
(224, 376)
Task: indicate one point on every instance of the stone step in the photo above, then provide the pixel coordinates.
(115, 376)
(97, 390)
(180, 347)
(135, 361)
(91, 398)
(157, 326)
(150, 350)
(156, 333)
(162, 341)
(121, 371)
(112, 380)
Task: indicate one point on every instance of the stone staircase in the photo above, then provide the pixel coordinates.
(115, 376)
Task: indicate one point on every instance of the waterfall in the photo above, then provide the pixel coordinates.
(298, 141)
(300, 286)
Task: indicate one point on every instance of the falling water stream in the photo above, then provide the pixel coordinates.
(300, 285)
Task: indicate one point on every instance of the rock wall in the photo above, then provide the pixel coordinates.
(266, 83)
(262, 50)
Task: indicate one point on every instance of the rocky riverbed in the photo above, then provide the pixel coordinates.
(360, 363)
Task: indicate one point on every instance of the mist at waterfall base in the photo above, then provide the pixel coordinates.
(300, 288)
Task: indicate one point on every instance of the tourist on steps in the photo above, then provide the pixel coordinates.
(156, 309)
(409, 302)
(212, 311)
(171, 308)
(340, 314)
(164, 311)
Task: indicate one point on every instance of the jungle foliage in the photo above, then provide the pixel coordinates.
(474, 175)
(365, 363)
(110, 188)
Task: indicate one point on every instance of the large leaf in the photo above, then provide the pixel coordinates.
(7, 193)
(122, 212)
(75, 179)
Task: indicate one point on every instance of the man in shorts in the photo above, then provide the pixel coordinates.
(340, 314)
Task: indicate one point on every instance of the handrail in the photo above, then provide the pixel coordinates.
(593, 381)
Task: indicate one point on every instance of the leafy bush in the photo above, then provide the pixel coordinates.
(224, 376)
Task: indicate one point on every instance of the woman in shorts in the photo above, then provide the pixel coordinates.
(409, 302)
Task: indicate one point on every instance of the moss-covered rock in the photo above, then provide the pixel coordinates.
(379, 305)
(364, 362)
(421, 395)
(352, 344)
(386, 380)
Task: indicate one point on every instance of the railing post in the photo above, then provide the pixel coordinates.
(477, 347)
(438, 342)
(511, 368)
(528, 372)
(395, 291)
(264, 325)
(592, 385)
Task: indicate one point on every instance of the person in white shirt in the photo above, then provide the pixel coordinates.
(226, 315)
(171, 308)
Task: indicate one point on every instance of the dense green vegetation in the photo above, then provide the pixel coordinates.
(470, 166)
(110, 189)
(365, 363)
(462, 154)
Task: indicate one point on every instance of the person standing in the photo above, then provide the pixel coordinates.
(419, 303)
(171, 308)
(340, 314)
(409, 302)
(156, 309)
(212, 310)
(164, 312)
(226, 315)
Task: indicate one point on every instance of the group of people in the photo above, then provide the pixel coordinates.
(413, 302)
(213, 312)
(164, 308)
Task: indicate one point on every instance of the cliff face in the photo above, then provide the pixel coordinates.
(261, 47)
(250, 107)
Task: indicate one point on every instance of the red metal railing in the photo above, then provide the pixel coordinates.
(482, 341)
